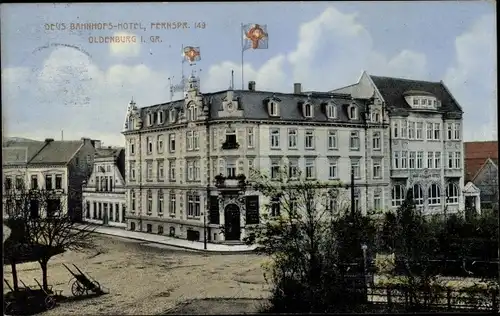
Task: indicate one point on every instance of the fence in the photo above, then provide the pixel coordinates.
(434, 298)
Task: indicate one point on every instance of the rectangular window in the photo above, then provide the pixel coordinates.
(58, 181)
(250, 138)
(293, 167)
(196, 140)
(411, 130)
(310, 168)
(149, 141)
(172, 171)
(331, 111)
(132, 147)
(189, 140)
(332, 139)
(194, 205)
(149, 170)
(275, 168)
(48, 182)
(456, 131)
(275, 138)
(160, 202)
(395, 160)
(450, 160)
(419, 134)
(230, 169)
(377, 169)
(159, 144)
(430, 160)
(215, 139)
(132, 201)
(395, 130)
(356, 167)
(34, 182)
(415, 101)
(171, 142)
(404, 129)
(420, 160)
(197, 174)
(376, 141)
(332, 169)
(437, 131)
(132, 170)
(161, 172)
(458, 160)
(429, 131)
(404, 159)
(437, 160)
(171, 208)
(309, 140)
(292, 138)
(449, 133)
(190, 170)
(377, 201)
(412, 159)
(354, 140)
(231, 136)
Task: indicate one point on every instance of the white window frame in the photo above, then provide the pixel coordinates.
(161, 169)
(215, 140)
(149, 170)
(171, 142)
(353, 112)
(437, 160)
(275, 138)
(310, 168)
(132, 170)
(190, 170)
(377, 169)
(429, 132)
(412, 160)
(333, 169)
(332, 139)
(273, 108)
(398, 195)
(250, 138)
(161, 118)
(150, 118)
(132, 201)
(430, 160)
(293, 168)
(418, 195)
(354, 141)
(449, 131)
(404, 159)
(172, 203)
(437, 131)
(356, 166)
(149, 202)
(159, 144)
(377, 141)
(230, 169)
(292, 138)
(395, 129)
(452, 193)
(456, 131)
(275, 168)
(171, 115)
(403, 129)
(197, 173)
(411, 130)
(420, 160)
(131, 147)
(309, 139)
(189, 140)
(458, 160)
(308, 110)
(419, 131)
(331, 111)
(149, 141)
(196, 140)
(451, 160)
(396, 160)
(434, 194)
(171, 170)
(377, 200)
(416, 101)
(160, 200)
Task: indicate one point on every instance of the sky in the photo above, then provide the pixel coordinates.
(55, 78)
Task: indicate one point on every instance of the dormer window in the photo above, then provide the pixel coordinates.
(416, 101)
(331, 111)
(424, 102)
(150, 119)
(353, 112)
(308, 110)
(375, 117)
(273, 108)
(172, 115)
(161, 118)
(192, 112)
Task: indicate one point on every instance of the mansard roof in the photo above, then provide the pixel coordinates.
(254, 106)
(393, 91)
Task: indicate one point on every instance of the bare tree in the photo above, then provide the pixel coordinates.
(43, 228)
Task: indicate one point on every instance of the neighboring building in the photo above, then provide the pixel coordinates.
(104, 192)
(184, 158)
(426, 146)
(481, 168)
(60, 166)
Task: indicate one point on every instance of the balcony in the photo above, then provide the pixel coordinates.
(400, 173)
(230, 145)
(235, 183)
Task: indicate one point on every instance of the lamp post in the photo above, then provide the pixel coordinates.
(364, 247)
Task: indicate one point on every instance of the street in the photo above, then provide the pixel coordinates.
(145, 278)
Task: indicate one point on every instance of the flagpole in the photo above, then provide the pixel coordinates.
(182, 63)
(242, 60)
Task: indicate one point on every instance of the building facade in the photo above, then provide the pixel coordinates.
(425, 140)
(56, 166)
(185, 159)
(104, 192)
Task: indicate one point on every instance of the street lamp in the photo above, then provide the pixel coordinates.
(364, 247)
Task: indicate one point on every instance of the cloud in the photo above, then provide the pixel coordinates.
(472, 79)
(128, 45)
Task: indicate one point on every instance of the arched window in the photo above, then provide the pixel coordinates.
(331, 110)
(452, 193)
(376, 117)
(308, 110)
(418, 195)
(160, 202)
(434, 194)
(192, 112)
(398, 195)
(353, 112)
(150, 201)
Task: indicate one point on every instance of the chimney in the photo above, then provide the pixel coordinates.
(96, 143)
(297, 88)
(48, 140)
(251, 85)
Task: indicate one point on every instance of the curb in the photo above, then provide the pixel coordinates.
(219, 252)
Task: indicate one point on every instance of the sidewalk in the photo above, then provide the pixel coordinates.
(165, 240)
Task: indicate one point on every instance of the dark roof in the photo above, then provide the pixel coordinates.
(393, 90)
(476, 155)
(20, 152)
(253, 105)
(113, 152)
(57, 152)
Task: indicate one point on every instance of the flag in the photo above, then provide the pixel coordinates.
(191, 54)
(255, 36)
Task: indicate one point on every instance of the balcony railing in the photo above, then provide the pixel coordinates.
(238, 182)
(230, 145)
